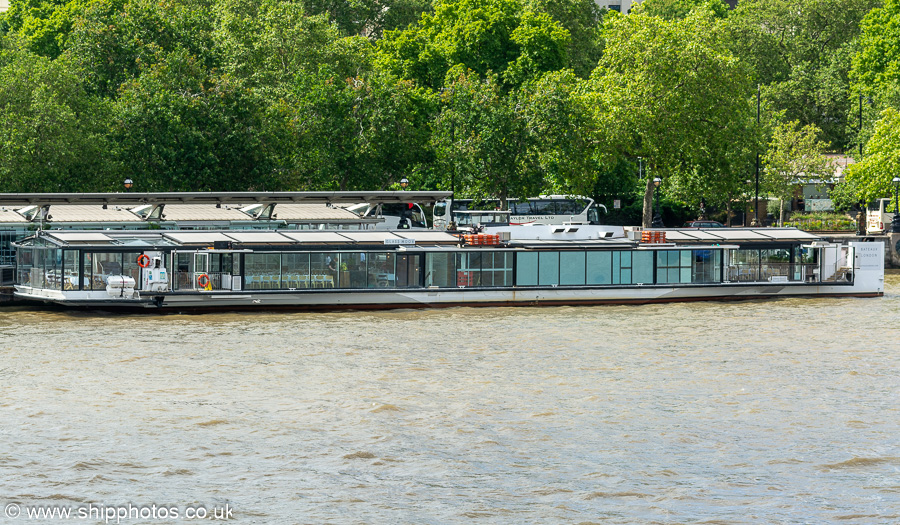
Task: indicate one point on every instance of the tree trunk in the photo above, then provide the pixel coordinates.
(781, 212)
(647, 219)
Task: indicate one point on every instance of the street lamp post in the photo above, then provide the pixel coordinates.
(755, 221)
(128, 184)
(657, 217)
(895, 222)
(404, 182)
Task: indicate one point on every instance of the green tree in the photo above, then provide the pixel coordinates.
(369, 18)
(52, 134)
(672, 93)
(482, 138)
(180, 127)
(871, 178)
(268, 42)
(677, 9)
(582, 19)
(794, 155)
(801, 52)
(113, 44)
(355, 132)
(560, 124)
(44, 25)
(485, 36)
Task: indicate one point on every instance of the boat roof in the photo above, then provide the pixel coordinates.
(221, 197)
(242, 238)
(248, 239)
(737, 235)
(177, 212)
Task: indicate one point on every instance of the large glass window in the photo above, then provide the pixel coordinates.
(642, 267)
(468, 271)
(496, 269)
(673, 266)
(621, 267)
(548, 268)
(707, 266)
(295, 270)
(262, 271)
(381, 270)
(409, 270)
(484, 268)
(24, 265)
(100, 265)
(130, 266)
(7, 252)
(599, 268)
(440, 269)
(70, 270)
(526, 269)
(571, 268)
(352, 270)
(744, 265)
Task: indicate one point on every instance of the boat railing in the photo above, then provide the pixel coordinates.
(773, 272)
(195, 281)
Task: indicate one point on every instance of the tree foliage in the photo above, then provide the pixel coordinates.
(795, 154)
(871, 178)
(671, 92)
(504, 97)
(801, 51)
(52, 133)
(484, 36)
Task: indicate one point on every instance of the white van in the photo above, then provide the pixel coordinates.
(879, 215)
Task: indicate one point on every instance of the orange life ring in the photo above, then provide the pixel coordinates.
(202, 280)
(143, 260)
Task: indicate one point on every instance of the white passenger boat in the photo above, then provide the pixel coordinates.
(526, 265)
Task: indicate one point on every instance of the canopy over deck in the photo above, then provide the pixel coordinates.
(223, 197)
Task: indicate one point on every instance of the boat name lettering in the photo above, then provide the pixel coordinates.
(399, 241)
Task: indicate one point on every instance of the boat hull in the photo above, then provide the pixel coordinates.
(437, 298)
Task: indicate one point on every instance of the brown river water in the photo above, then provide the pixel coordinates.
(783, 411)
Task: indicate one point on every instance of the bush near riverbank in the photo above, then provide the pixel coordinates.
(821, 221)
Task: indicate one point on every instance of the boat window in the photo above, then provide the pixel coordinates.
(497, 269)
(262, 271)
(744, 265)
(409, 270)
(485, 269)
(572, 268)
(440, 269)
(599, 268)
(24, 265)
(673, 266)
(707, 266)
(352, 270)
(295, 270)
(39, 266)
(130, 265)
(7, 251)
(70, 270)
(526, 269)
(468, 271)
(381, 270)
(100, 265)
(621, 267)
(548, 268)
(642, 267)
